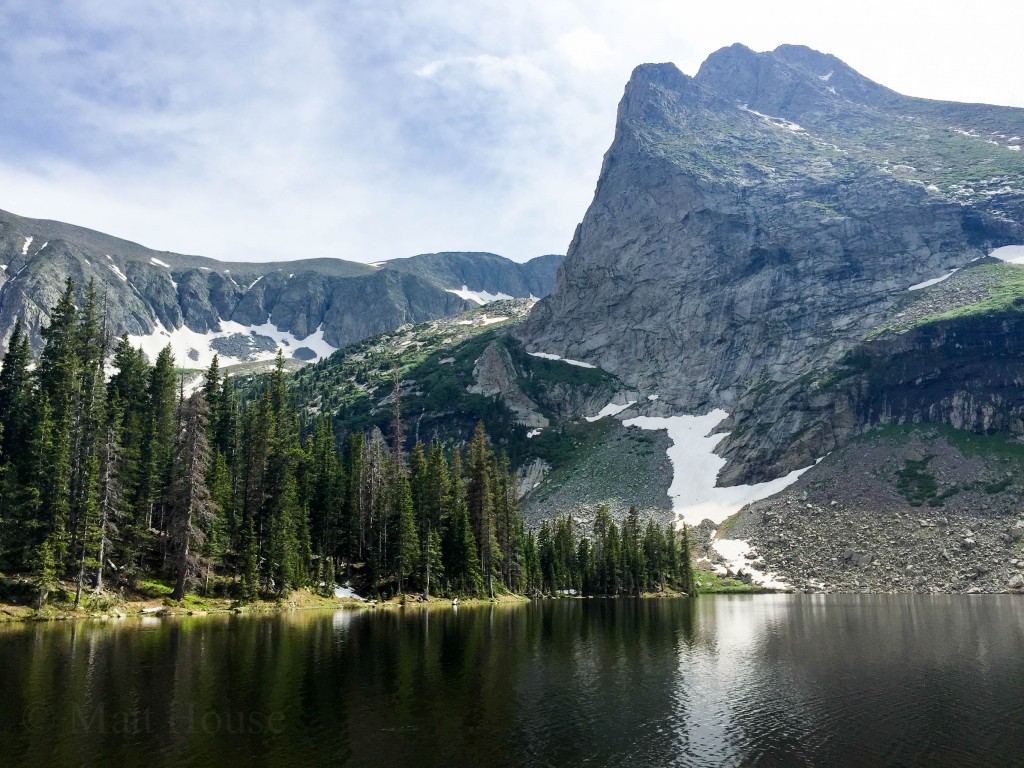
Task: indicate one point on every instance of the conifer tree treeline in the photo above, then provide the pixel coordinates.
(630, 560)
(112, 476)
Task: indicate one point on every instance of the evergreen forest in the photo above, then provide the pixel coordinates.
(111, 472)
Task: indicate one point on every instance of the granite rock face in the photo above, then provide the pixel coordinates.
(965, 372)
(143, 288)
(755, 222)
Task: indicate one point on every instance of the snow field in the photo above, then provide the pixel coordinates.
(695, 467)
(480, 297)
(184, 340)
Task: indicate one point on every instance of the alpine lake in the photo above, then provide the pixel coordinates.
(720, 680)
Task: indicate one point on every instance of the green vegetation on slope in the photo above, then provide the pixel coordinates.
(985, 289)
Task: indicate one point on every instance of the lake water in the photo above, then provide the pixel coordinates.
(765, 680)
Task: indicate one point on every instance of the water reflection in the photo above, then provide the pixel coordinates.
(852, 680)
(741, 680)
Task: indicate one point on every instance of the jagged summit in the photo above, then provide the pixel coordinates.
(792, 81)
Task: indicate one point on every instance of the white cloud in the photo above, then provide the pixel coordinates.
(492, 71)
(585, 49)
(373, 130)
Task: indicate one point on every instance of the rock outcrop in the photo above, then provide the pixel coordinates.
(495, 376)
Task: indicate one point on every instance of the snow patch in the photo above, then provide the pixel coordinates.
(194, 349)
(117, 271)
(610, 410)
(156, 262)
(741, 557)
(826, 78)
(933, 281)
(254, 282)
(652, 398)
(533, 432)
(1014, 254)
(778, 122)
(549, 356)
(480, 297)
(24, 248)
(695, 468)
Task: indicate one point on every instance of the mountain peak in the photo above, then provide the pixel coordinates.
(792, 80)
(664, 73)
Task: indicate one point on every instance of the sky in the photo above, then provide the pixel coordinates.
(375, 129)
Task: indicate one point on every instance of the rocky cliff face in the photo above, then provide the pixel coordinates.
(754, 223)
(188, 299)
(963, 367)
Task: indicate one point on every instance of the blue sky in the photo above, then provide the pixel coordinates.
(367, 129)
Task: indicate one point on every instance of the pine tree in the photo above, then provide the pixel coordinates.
(602, 575)
(686, 582)
(653, 546)
(187, 501)
(88, 435)
(16, 405)
(633, 555)
(373, 504)
(584, 566)
(353, 531)
(59, 378)
(324, 487)
(284, 551)
(110, 497)
(128, 395)
(212, 387)
(287, 534)
(258, 430)
(464, 563)
(546, 558)
(613, 560)
(15, 394)
(480, 502)
(250, 576)
(432, 562)
(406, 540)
(532, 576)
(44, 569)
(157, 452)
